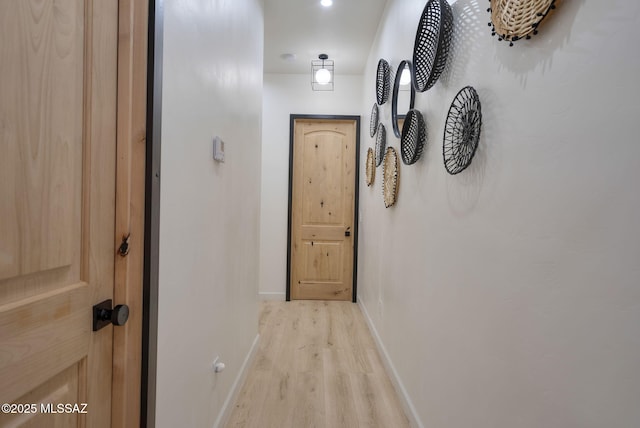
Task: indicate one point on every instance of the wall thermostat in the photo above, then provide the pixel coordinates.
(218, 149)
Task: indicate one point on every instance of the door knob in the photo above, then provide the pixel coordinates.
(348, 231)
(104, 314)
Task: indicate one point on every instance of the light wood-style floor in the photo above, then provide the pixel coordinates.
(317, 366)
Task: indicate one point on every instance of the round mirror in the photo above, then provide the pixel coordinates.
(404, 96)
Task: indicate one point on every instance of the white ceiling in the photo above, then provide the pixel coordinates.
(344, 31)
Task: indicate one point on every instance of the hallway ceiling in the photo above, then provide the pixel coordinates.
(344, 31)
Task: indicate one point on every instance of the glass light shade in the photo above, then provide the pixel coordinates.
(323, 76)
(322, 73)
(326, 3)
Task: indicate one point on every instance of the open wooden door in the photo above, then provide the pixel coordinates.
(58, 62)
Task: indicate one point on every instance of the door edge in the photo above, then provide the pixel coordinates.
(152, 215)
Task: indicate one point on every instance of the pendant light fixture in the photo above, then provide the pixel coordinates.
(322, 73)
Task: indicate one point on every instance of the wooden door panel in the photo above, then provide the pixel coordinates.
(322, 182)
(62, 388)
(331, 233)
(41, 122)
(323, 201)
(322, 261)
(46, 333)
(57, 195)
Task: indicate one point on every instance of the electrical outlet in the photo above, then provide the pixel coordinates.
(217, 365)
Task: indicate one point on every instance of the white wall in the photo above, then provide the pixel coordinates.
(509, 295)
(286, 94)
(209, 215)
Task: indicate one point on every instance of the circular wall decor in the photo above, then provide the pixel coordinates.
(414, 134)
(390, 177)
(381, 143)
(394, 99)
(370, 167)
(462, 130)
(373, 124)
(513, 20)
(431, 46)
(383, 83)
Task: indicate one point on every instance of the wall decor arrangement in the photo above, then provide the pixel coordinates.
(462, 130)
(390, 177)
(431, 47)
(414, 135)
(383, 81)
(404, 65)
(513, 20)
(370, 167)
(381, 143)
(373, 124)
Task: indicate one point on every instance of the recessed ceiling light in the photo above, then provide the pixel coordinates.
(326, 3)
(289, 57)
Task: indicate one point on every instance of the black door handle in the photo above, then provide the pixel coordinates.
(348, 231)
(103, 314)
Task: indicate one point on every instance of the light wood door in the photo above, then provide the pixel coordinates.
(322, 209)
(58, 68)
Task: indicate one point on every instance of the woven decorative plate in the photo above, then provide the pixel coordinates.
(383, 82)
(390, 177)
(513, 20)
(381, 143)
(370, 167)
(414, 134)
(431, 47)
(373, 125)
(462, 130)
(394, 98)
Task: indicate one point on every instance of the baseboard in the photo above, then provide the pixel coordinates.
(272, 295)
(407, 404)
(227, 407)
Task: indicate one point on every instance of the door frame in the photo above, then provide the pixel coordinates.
(356, 215)
(152, 214)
